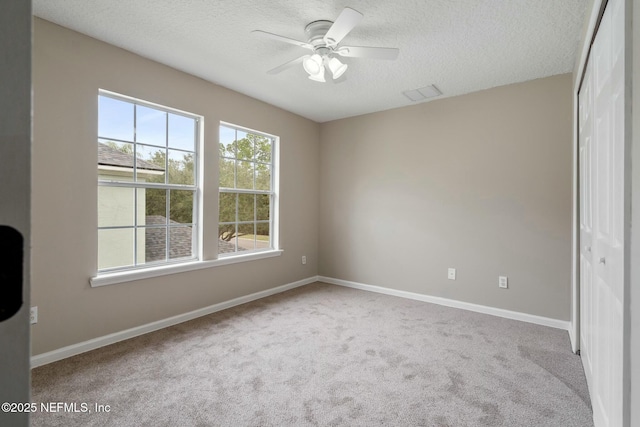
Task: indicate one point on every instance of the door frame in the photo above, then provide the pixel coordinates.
(15, 192)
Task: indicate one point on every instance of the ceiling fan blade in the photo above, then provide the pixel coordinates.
(368, 52)
(345, 22)
(284, 39)
(287, 65)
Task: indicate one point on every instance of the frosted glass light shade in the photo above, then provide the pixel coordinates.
(319, 76)
(337, 68)
(312, 64)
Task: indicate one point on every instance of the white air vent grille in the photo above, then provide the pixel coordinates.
(422, 93)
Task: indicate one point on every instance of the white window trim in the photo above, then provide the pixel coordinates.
(166, 269)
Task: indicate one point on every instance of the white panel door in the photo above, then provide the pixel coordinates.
(585, 112)
(601, 126)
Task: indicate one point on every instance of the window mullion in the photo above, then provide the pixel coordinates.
(167, 197)
(168, 194)
(242, 191)
(135, 144)
(130, 184)
(237, 220)
(135, 226)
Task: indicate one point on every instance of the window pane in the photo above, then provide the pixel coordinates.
(226, 238)
(182, 132)
(140, 246)
(244, 171)
(227, 207)
(263, 149)
(181, 168)
(262, 207)
(156, 219)
(150, 163)
(155, 244)
(116, 206)
(181, 206)
(246, 207)
(245, 145)
(227, 142)
(117, 154)
(151, 126)
(155, 205)
(263, 177)
(246, 237)
(263, 235)
(115, 119)
(115, 248)
(227, 173)
(180, 245)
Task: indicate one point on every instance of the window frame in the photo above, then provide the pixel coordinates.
(135, 185)
(273, 194)
(110, 277)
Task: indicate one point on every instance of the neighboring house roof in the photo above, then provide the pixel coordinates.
(180, 239)
(110, 156)
(155, 240)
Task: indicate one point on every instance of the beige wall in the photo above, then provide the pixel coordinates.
(480, 182)
(68, 70)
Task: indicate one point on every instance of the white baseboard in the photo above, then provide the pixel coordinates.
(508, 314)
(92, 344)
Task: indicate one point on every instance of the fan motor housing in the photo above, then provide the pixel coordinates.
(316, 31)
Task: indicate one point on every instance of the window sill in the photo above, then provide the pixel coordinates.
(146, 273)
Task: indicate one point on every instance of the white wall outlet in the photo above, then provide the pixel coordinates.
(34, 315)
(503, 282)
(451, 274)
(304, 259)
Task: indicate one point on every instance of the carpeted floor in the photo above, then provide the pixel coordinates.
(326, 355)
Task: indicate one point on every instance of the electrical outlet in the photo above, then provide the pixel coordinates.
(451, 275)
(503, 282)
(304, 259)
(34, 315)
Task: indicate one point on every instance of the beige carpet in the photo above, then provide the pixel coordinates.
(326, 355)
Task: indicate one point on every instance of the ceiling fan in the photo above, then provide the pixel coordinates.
(324, 39)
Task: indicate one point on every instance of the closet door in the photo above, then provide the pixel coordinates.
(585, 113)
(601, 216)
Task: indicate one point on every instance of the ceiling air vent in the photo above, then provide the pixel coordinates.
(422, 93)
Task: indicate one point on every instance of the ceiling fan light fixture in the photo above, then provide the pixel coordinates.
(323, 39)
(313, 65)
(337, 68)
(319, 76)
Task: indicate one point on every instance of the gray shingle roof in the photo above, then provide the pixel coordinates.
(109, 156)
(155, 240)
(180, 239)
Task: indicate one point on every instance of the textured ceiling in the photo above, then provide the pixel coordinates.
(460, 46)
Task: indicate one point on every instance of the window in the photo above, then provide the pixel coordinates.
(247, 191)
(147, 184)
